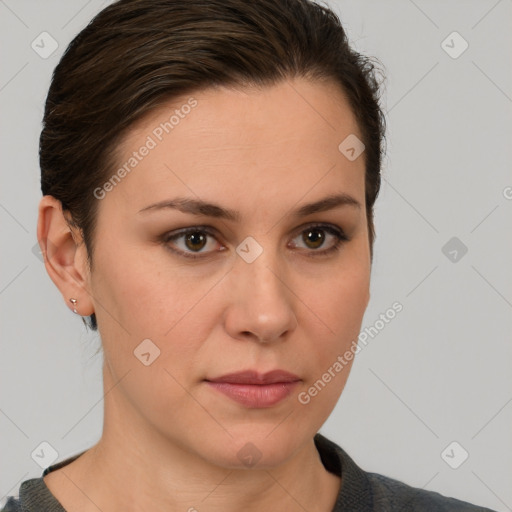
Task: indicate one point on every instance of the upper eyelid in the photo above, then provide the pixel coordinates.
(213, 231)
(299, 229)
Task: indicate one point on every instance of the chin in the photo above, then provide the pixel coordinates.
(257, 451)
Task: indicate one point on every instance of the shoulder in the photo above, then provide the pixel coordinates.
(365, 491)
(13, 504)
(33, 496)
(390, 494)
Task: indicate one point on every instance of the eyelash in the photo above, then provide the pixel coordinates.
(341, 238)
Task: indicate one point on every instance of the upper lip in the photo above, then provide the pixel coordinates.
(254, 377)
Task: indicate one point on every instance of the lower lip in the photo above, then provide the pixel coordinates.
(255, 395)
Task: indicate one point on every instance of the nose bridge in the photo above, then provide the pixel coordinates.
(259, 269)
(262, 303)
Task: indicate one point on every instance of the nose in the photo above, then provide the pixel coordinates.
(262, 303)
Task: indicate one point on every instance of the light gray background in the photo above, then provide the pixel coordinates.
(439, 372)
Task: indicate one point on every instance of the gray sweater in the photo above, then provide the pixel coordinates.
(360, 491)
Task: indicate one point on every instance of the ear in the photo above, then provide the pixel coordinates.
(65, 256)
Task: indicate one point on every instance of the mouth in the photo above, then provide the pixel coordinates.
(255, 390)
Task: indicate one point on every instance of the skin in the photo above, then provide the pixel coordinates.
(169, 441)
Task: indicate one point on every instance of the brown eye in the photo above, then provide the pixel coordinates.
(195, 240)
(317, 236)
(190, 243)
(314, 238)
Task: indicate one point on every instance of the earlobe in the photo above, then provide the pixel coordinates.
(62, 247)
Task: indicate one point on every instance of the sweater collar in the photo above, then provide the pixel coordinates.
(354, 493)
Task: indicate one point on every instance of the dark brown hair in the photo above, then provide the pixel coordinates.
(136, 54)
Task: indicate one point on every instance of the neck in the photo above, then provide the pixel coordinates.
(134, 467)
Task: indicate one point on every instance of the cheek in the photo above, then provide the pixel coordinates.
(340, 303)
(136, 295)
(143, 300)
(338, 308)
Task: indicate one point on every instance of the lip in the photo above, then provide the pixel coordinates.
(256, 390)
(254, 377)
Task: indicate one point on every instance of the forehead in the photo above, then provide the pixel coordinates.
(225, 141)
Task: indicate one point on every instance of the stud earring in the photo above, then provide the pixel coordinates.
(74, 302)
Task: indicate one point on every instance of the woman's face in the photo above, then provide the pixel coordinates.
(257, 290)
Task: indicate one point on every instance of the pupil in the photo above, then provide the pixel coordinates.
(317, 240)
(194, 238)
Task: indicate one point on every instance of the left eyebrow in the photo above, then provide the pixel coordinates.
(327, 203)
(198, 207)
